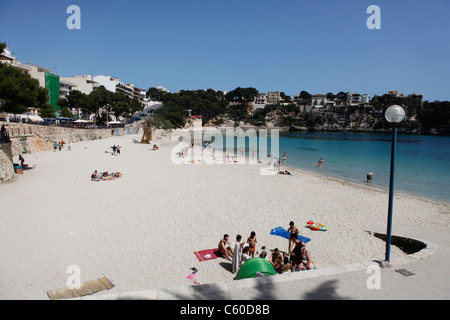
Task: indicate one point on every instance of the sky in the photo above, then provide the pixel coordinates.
(318, 46)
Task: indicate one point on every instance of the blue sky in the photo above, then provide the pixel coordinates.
(273, 45)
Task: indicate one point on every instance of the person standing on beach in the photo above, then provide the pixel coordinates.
(237, 254)
(284, 156)
(292, 230)
(55, 145)
(59, 146)
(252, 244)
(296, 253)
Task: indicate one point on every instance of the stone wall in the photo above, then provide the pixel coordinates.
(6, 162)
(28, 138)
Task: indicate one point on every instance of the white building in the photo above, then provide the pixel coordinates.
(109, 83)
(66, 87)
(163, 89)
(365, 99)
(84, 83)
(115, 85)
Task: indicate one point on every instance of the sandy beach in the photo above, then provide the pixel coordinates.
(142, 229)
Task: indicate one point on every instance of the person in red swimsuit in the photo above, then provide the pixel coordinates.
(252, 244)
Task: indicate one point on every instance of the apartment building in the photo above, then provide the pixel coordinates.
(273, 97)
(84, 83)
(353, 98)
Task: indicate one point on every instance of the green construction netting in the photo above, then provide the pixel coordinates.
(53, 86)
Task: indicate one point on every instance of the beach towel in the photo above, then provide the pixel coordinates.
(86, 288)
(208, 254)
(281, 232)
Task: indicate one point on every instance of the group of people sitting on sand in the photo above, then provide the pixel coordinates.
(155, 147)
(103, 176)
(297, 258)
(183, 152)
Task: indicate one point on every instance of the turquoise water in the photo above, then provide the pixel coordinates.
(422, 162)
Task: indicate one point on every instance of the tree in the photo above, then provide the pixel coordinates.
(342, 96)
(305, 95)
(155, 94)
(76, 100)
(100, 98)
(18, 91)
(120, 104)
(2, 47)
(135, 106)
(241, 95)
(285, 97)
(65, 112)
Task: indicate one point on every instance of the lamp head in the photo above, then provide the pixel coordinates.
(395, 114)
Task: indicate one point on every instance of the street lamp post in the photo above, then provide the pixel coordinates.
(394, 114)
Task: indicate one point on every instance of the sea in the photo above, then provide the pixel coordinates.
(422, 166)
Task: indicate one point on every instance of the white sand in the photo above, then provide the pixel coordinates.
(140, 231)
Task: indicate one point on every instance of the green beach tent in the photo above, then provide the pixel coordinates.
(250, 267)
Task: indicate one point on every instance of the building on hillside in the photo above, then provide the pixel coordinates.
(139, 94)
(318, 100)
(260, 101)
(115, 85)
(273, 97)
(109, 83)
(126, 89)
(163, 89)
(365, 99)
(395, 93)
(353, 98)
(84, 83)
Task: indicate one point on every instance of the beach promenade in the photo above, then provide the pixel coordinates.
(141, 230)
